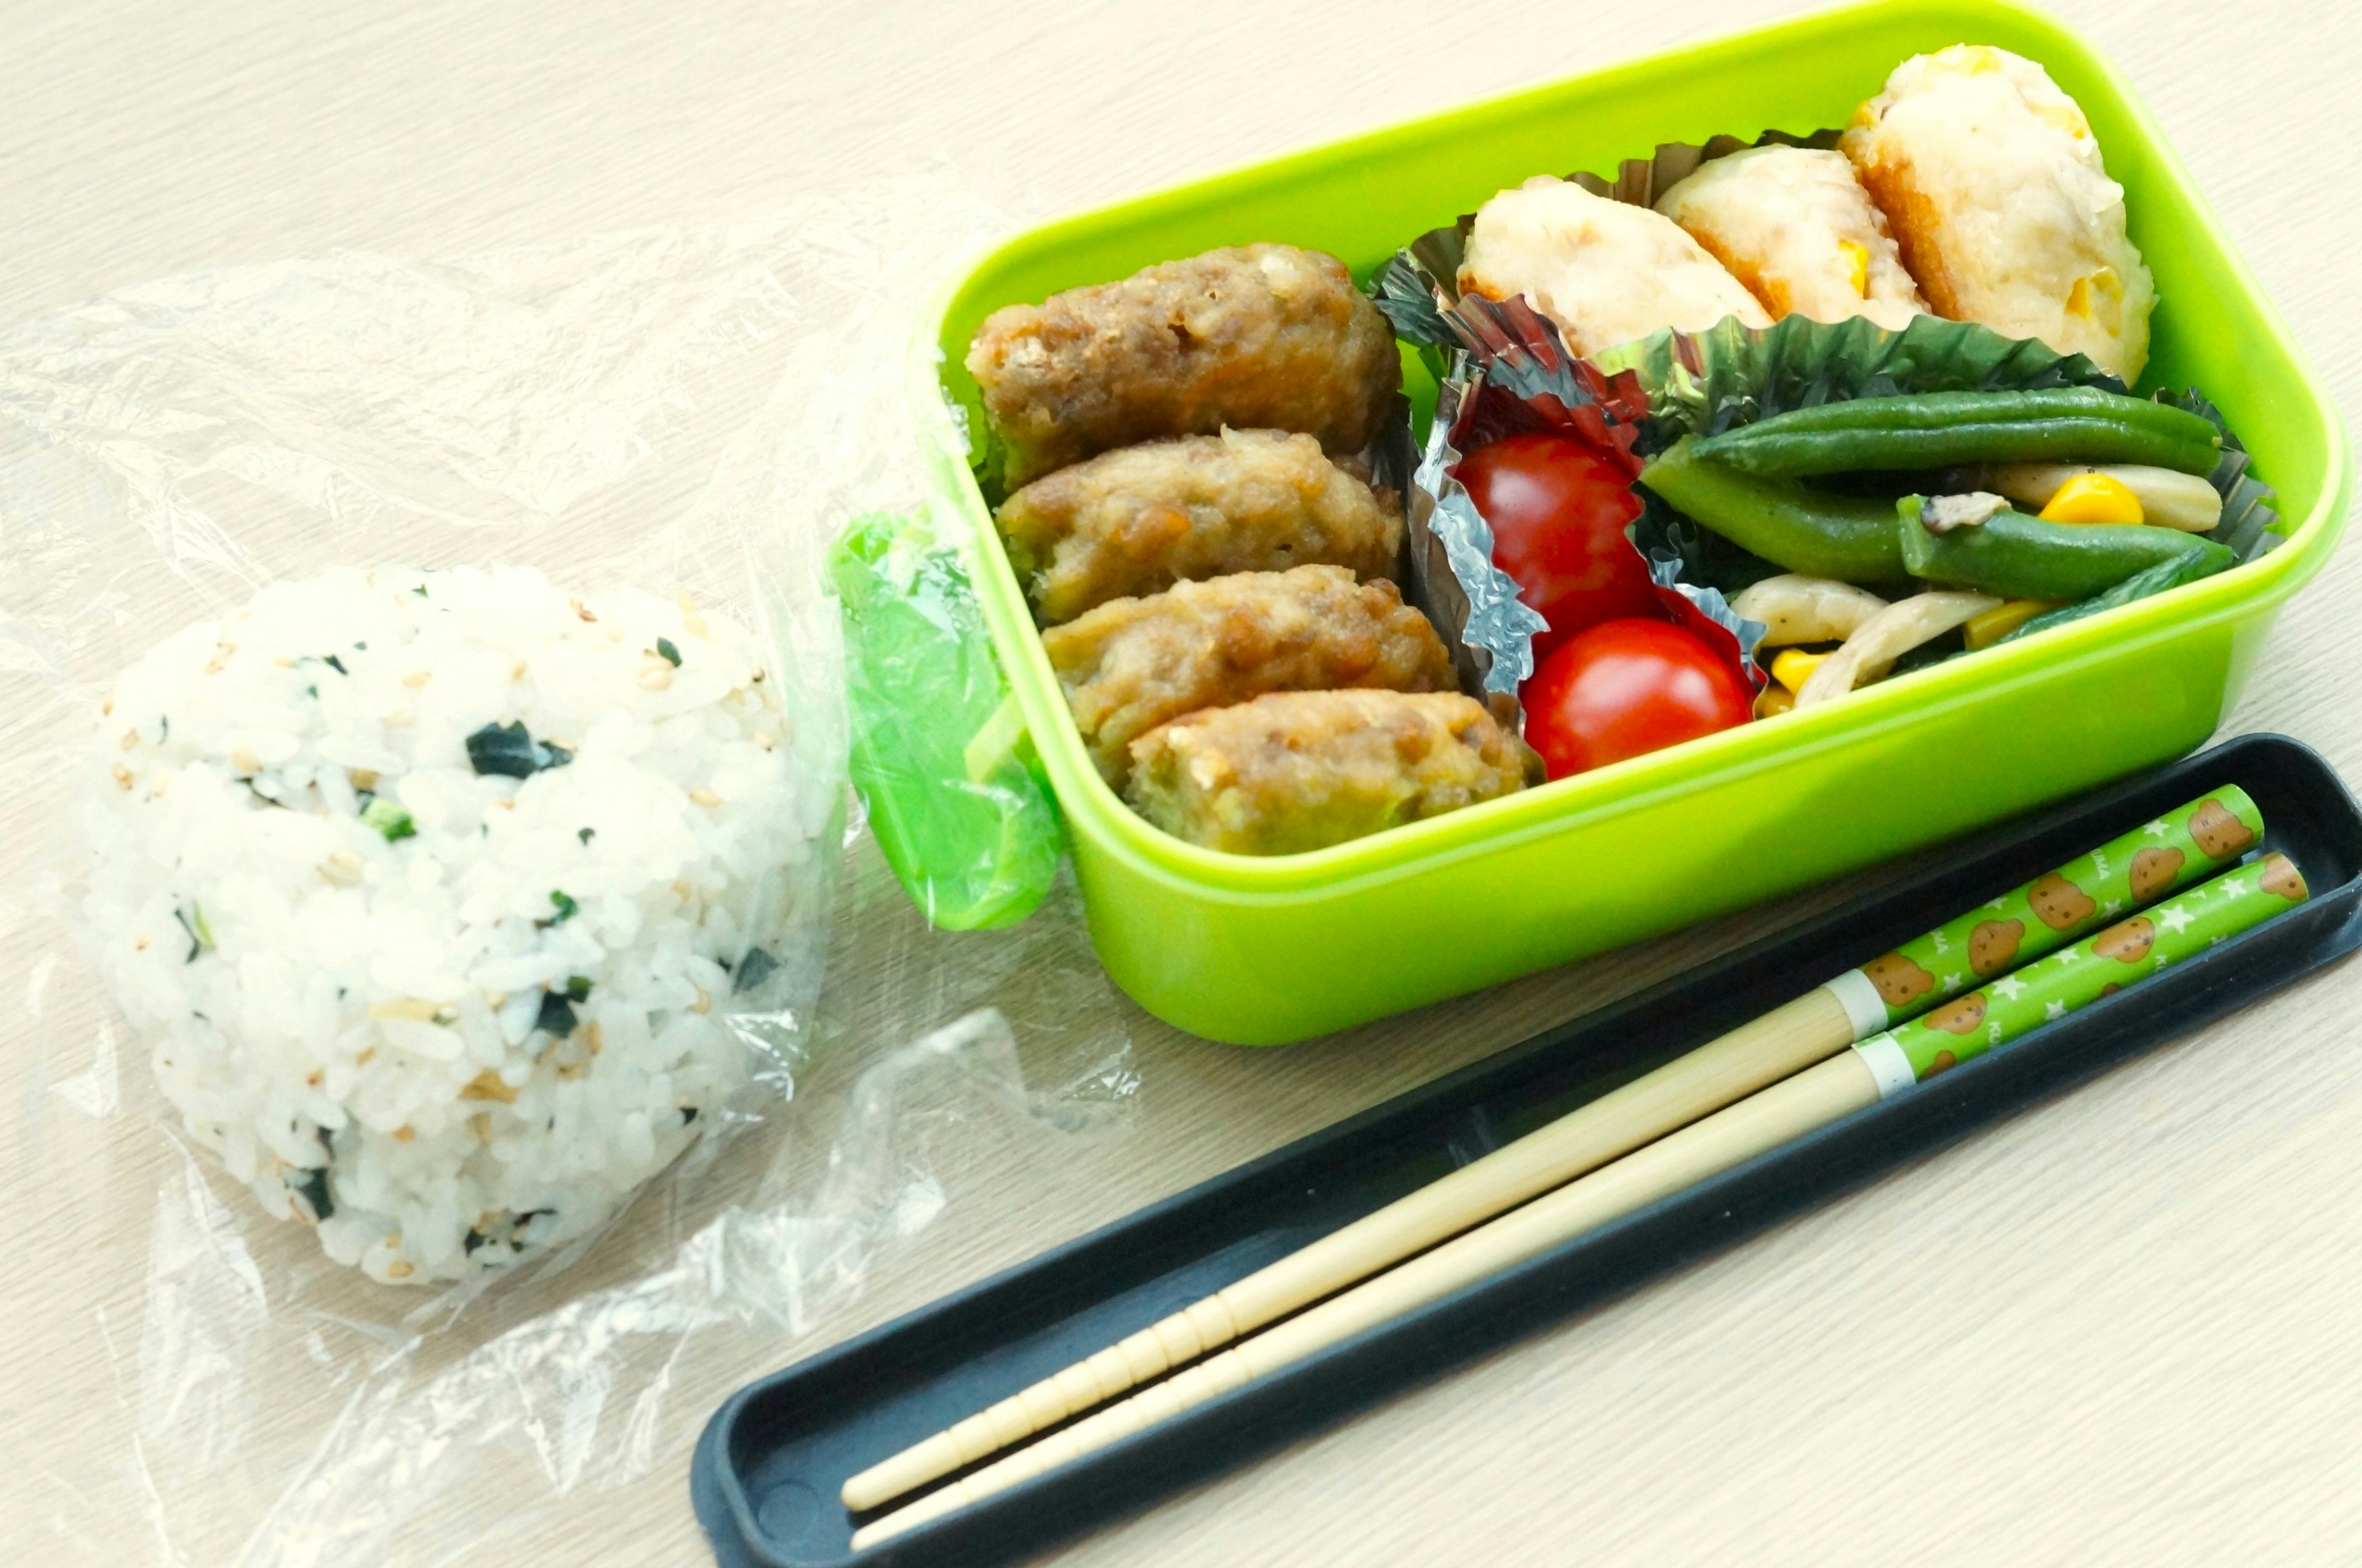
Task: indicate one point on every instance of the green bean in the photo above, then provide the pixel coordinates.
(1934, 430)
(2019, 556)
(2188, 567)
(1850, 538)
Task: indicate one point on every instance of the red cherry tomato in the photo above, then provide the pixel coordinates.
(1627, 687)
(1558, 507)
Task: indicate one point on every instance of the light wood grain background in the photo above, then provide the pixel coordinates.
(2119, 1329)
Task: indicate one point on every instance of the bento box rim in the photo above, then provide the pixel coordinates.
(1728, 756)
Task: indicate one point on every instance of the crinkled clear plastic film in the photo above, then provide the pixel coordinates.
(672, 410)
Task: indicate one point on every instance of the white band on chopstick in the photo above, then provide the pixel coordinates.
(1888, 1065)
(1861, 1002)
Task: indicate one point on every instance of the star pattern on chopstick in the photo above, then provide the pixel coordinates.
(2009, 988)
(2174, 918)
(2053, 1010)
(2158, 829)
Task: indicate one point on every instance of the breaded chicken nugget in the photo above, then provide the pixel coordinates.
(1130, 665)
(2002, 207)
(1299, 770)
(1796, 227)
(1604, 272)
(1139, 519)
(1264, 335)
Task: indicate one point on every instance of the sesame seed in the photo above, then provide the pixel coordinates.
(488, 1084)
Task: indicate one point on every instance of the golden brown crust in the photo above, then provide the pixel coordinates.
(1301, 771)
(1913, 220)
(1265, 336)
(1772, 293)
(1137, 520)
(1133, 663)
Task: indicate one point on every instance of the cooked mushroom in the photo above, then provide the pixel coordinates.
(2169, 499)
(1886, 637)
(1806, 609)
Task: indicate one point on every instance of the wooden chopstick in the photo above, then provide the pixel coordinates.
(1888, 1063)
(2039, 917)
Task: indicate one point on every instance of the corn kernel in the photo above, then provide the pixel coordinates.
(1775, 700)
(2093, 497)
(1857, 265)
(1794, 667)
(1993, 626)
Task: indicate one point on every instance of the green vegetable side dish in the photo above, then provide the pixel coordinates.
(2019, 556)
(967, 828)
(1933, 430)
(1850, 538)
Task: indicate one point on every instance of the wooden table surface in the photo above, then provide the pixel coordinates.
(2116, 1329)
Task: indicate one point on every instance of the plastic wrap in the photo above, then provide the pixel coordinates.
(940, 753)
(702, 411)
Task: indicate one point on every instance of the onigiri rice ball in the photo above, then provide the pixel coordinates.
(431, 895)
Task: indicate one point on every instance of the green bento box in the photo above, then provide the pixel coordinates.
(1261, 951)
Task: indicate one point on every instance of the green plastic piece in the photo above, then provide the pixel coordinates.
(2019, 556)
(1263, 950)
(2084, 424)
(1797, 527)
(938, 745)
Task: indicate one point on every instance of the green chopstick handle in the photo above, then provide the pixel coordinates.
(2048, 989)
(2122, 875)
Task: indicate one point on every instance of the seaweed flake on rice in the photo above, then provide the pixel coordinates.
(431, 895)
